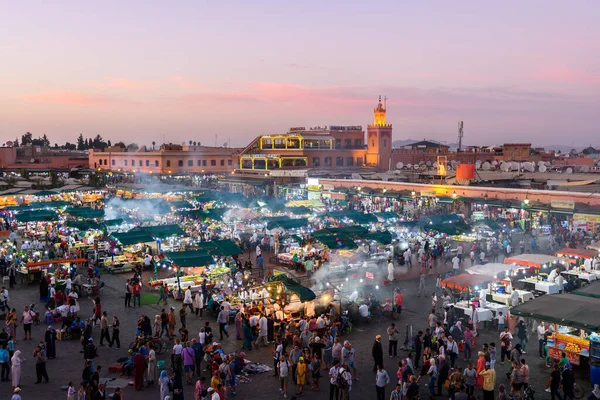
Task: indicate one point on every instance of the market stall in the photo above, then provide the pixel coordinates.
(33, 272)
(575, 317)
(466, 289)
(539, 261)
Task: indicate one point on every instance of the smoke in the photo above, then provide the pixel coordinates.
(336, 274)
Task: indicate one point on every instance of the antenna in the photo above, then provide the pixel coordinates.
(385, 102)
(460, 135)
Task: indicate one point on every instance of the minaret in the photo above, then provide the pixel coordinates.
(379, 138)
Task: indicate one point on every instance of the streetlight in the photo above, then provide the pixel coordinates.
(454, 195)
(526, 201)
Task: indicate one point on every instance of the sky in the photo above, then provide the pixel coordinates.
(216, 72)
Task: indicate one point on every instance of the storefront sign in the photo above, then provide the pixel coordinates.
(345, 128)
(587, 218)
(298, 173)
(327, 186)
(297, 129)
(568, 204)
(335, 195)
(478, 215)
(428, 193)
(555, 353)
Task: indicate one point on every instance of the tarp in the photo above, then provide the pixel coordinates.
(379, 237)
(85, 212)
(490, 223)
(565, 309)
(41, 215)
(193, 258)
(84, 225)
(492, 269)
(304, 293)
(38, 205)
(224, 247)
(581, 253)
(133, 237)
(386, 215)
(466, 282)
(532, 260)
(453, 228)
(355, 216)
(288, 223)
(118, 221)
(337, 242)
(45, 193)
(355, 230)
(299, 210)
(592, 290)
(163, 231)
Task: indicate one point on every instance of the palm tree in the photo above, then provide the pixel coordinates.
(153, 144)
(194, 143)
(190, 142)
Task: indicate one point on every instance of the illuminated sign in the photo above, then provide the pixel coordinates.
(345, 128)
(570, 204)
(297, 129)
(428, 193)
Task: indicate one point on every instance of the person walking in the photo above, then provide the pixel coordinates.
(115, 333)
(283, 370)
(377, 353)
(418, 348)
(422, 288)
(432, 373)
(333, 374)
(382, 379)
(40, 365)
(223, 319)
(128, 293)
(15, 368)
(263, 331)
(489, 382)
(50, 339)
(104, 329)
(554, 382)
(136, 291)
(393, 333)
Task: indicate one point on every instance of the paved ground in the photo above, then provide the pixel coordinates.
(69, 362)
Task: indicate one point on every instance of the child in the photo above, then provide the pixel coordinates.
(71, 392)
(316, 372)
(492, 352)
(300, 376)
(500, 319)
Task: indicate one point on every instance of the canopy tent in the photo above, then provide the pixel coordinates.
(179, 204)
(577, 253)
(288, 223)
(45, 193)
(408, 224)
(39, 215)
(592, 290)
(359, 218)
(337, 242)
(379, 237)
(85, 225)
(84, 212)
(193, 258)
(159, 206)
(163, 231)
(491, 269)
(565, 309)
(464, 281)
(125, 219)
(441, 219)
(38, 205)
(386, 215)
(304, 293)
(346, 231)
(133, 237)
(299, 210)
(532, 260)
(452, 228)
(220, 248)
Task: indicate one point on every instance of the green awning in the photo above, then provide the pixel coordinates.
(288, 223)
(565, 309)
(380, 237)
(45, 193)
(192, 258)
(85, 225)
(38, 205)
(592, 290)
(164, 231)
(180, 204)
(118, 221)
(133, 237)
(386, 215)
(351, 231)
(337, 242)
(84, 212)
(39, 215)
(304, 293)
(228, 247)
(490, 223)
(299, 210)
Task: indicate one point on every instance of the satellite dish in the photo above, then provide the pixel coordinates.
(540, 163)
(397, 172)
(505, 167)
(494, 163)
(356, 176)
(569, 170)
(486, 166)
(543, 168)
(529, 167)
(409, 165)
(9, 143)
(400, 165)
(514, 165)
(585, 168)
(453, 163)
(32, 160)
(415, 166)
(428, 163)
(385, 178)
(435, 164)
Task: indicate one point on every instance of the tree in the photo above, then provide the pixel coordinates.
(90, 143)
(190, 142)
(81, 144)
(46, 141)
(16, 142)
(69, 146)
(26, 138)
(108, 144)
(195, 142)
(132, 147)
(153, 144)
(120, 144)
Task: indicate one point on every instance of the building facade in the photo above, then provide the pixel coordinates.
(41, 158)
(322, 147)
(168, 159)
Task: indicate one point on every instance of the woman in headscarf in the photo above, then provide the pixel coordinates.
(139, 367)
(151, 365)
(16, 368)
(480, 367)
(50, 339)
(157, 325)
(247, 336)
(163, 381)
(239, 317)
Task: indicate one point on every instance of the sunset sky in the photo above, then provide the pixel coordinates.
(526, 71)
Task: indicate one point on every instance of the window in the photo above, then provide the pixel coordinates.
(132, 162)
(105, 161)
(359, 161)
(349, 161)
(328, 161)
(357, 142)
(222, 163)
(316, 161)
(348, 143)
(113, 162)
(141, 163)
(338, 143)
(190, 163)
(156, 163)
(384, 143)
(147, 163)
(198, 163)
(213, 163)
(168, 163)
(204, 163)
(229, 162)
(125, 162)
(339, 161)
(180, 163)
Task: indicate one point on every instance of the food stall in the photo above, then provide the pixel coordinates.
(33, 272)
(580, 261)
(575, 318)
(469, 285)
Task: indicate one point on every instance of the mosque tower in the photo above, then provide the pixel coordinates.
(379, 138)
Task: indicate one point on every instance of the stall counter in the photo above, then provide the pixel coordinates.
(504, 298)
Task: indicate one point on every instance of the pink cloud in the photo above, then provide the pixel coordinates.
(289, 92)
(123, 83)
(210, 98)
(185, 83)
(68, 98)
(568, 75)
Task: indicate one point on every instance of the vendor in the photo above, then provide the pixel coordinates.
(553, 274)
